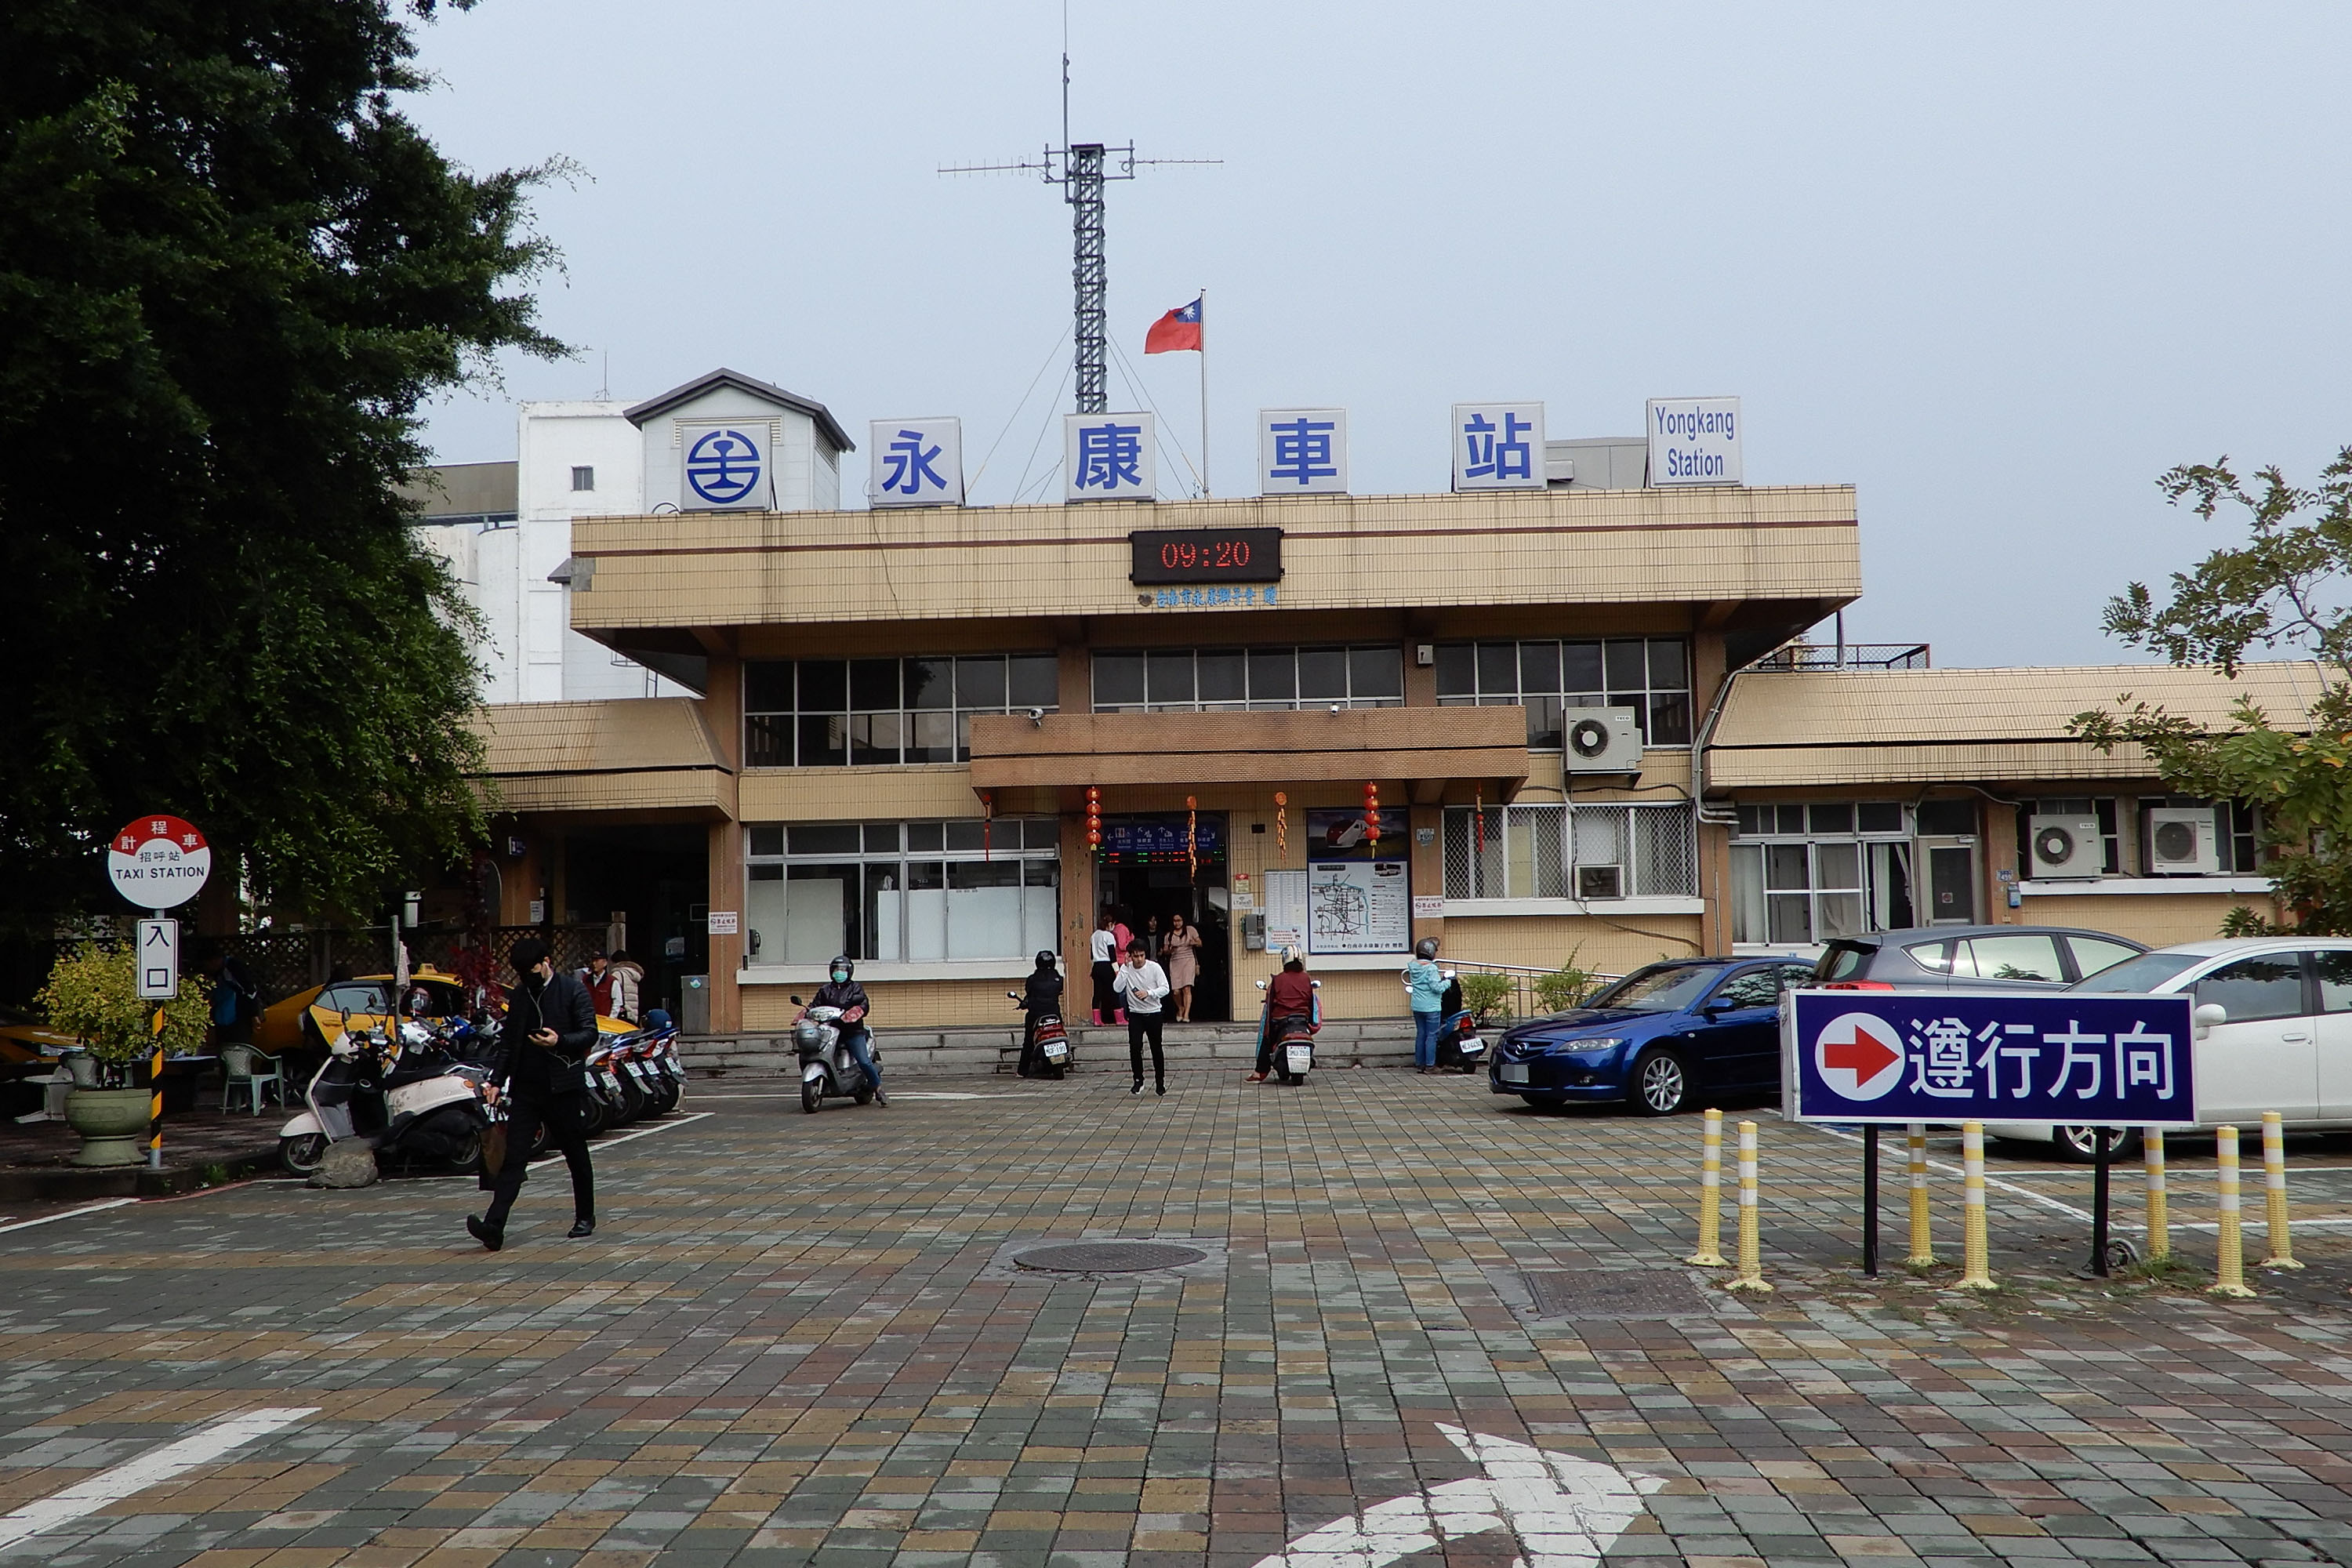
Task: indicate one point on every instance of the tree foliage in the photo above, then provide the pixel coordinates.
(2284, 590)
(231, 274)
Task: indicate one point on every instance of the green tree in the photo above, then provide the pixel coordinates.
(2285, 591)
(231, 273)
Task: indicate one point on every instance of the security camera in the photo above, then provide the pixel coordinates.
(1335, 708)
(1038, 717)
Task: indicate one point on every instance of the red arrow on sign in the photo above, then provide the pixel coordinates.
(1862, 1056)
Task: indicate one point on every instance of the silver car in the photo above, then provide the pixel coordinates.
(2274, 1022)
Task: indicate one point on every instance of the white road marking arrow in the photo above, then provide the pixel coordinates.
(1563, 1511)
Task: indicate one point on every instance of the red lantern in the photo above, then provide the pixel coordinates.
(1094, 816)
(1372, 815)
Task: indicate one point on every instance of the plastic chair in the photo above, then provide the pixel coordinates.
(243, 1068)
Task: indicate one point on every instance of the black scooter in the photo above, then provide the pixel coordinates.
(1049, 1037)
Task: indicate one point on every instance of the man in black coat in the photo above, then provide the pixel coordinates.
(549, 1028)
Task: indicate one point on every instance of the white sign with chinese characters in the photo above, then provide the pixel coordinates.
(159, 862)
(726, 923)
(917, 462)
(1108, 457)
(1498, 446)
(1693, 440)
(1302, 451)
(159, 960)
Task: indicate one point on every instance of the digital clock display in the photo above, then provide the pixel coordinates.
(1205, 555)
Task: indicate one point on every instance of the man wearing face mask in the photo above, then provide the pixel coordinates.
(843, 990)
(551, 1027)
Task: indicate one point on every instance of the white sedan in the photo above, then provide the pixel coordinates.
(2273, 1033)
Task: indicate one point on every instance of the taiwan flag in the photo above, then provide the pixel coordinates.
(1179, 329)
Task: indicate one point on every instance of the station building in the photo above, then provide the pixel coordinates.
(941, 738)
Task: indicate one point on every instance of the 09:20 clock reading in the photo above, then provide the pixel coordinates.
(1205, 555)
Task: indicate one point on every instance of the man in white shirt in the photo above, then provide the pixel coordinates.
(1144, 986)
(1102, 954)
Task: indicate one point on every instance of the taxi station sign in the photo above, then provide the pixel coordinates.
(2071, 1060)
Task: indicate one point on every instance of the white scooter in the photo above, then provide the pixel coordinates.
(404, 1095)
(827, 1069)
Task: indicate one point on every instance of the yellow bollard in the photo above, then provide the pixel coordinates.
(1710, 1195)
(2230, 1264)
(2159, 1222)
(1751, 1251)
(2274, 1193)
(1923, 1250)
(1976, 1252)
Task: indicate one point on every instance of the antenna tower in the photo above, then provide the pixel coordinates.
(1082, 169)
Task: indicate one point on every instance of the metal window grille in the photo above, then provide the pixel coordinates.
(1633, 850)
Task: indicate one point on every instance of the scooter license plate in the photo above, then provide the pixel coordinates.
(1055, 1050)
(1515, 1072)
(1300, 1057)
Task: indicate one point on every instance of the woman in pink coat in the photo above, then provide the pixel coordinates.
(1179, 950)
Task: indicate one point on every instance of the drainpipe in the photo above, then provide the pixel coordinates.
(1717, 816)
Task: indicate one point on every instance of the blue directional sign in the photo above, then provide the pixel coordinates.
(1914, 1055)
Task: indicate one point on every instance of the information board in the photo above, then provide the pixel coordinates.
(2079, 1060)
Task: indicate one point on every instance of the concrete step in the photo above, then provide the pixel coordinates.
(1344, 1043)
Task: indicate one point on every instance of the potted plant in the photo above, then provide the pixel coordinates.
(94, 994)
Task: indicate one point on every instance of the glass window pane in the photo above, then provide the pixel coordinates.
(2251, 988)
(2020, 957)
(1669, 721)
(979, 685)
(1033, 680)
(1748, 893)
(1834, 818)
(1544, 722)
(930, 737)
(1879, 816)
(1837, 865)
(825, 740)
(930, 683)
(1223, 677)
(1456, 670)
(1627, 664)
(873, 683)
(1169, 678)
(1580, 670)
(963, 736)
(1792, 818)
(1540, 667)
(825, 686)
(1669, 664)
(768, 688)
(1322, 674)
(2092, 955)
(1791, 917)
(927, 910)
(768, 740)
(1273, 675)
(964, 834)
(1841, 915)
(2334, 967)
(766, 837)
(1784, 868)
(873, 738)
(880, 836)
(983, 908)
(1498, 670)
(925, 835)
(824, 838)
(1755, 819)
(1118, 680)
(1375, 672)
(1043, 833)
(882, 932)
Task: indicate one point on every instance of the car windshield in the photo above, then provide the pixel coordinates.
(1666, 988)
(2142, 973)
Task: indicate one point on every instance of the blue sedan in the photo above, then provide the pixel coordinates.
(1657, 1037)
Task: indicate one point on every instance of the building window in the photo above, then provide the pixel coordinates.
(582, 478)
(868, 712)
(1592, 853)
(902, 892)
(1649, 675)
(1807, 872)
(1233, 680)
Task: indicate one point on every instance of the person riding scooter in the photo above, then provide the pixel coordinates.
(843, 990)
(1040, 996)
(1290, 994)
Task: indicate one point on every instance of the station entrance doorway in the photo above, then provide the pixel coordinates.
(1145, 869)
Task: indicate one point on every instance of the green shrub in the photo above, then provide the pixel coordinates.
(93, 995)
(1487, 996)
(1564, 987)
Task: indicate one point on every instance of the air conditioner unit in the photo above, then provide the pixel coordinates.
(1601, 741)
(2066, 846)
(2181, 842)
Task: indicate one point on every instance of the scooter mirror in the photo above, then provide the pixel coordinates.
(798, 1002)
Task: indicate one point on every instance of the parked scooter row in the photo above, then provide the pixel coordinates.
(428, 1090)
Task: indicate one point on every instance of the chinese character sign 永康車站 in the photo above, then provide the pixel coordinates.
(2075, 1060)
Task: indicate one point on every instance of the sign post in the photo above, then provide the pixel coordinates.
(158, 863)
(2106, 1062)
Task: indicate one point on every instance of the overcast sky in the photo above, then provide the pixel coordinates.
(1998, 266)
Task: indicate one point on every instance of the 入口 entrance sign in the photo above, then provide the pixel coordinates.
(159, 862)
(159, 960)
(1905, 1056)
(1694, 440)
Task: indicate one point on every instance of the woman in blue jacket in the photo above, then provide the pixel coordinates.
(1426, 982)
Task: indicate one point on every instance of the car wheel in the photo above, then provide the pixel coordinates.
(2075, 1143)
(1661, 1083)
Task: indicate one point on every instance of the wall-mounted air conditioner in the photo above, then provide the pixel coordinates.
(2066, 846)
(2181, 842)
(1601, 741)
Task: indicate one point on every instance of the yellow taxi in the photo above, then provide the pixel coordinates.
(24, 1043)
(315, 1018)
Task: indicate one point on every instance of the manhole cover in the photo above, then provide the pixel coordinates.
(1624, 1293)
(1107, 1257)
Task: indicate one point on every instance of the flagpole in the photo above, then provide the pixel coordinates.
(1204, 393)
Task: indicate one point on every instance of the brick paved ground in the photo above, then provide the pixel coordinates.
(797, 1340)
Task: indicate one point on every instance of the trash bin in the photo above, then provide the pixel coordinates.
(694, 1005)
